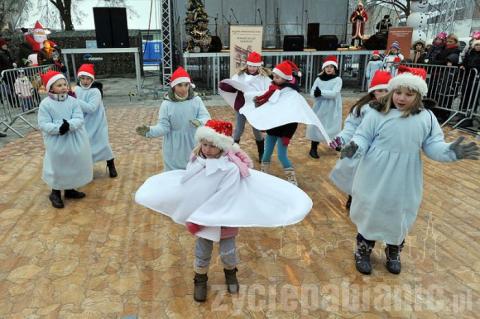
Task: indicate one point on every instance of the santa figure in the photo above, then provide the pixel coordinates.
(358, 19)
(38, 38)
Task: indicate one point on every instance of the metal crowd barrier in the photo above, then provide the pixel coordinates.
(207, 69)
(20, 94)
(455, 89)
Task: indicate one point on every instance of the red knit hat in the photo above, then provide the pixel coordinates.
(330, 60)
(217, 132)
(380, 81)
(51, 77)
(284, 70)
(86, 69)
(180, 76)
(254, 59)
(412, 78)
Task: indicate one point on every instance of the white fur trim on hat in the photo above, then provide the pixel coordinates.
(54, 79)
(90, 75)
(327, 63)
(221, 141)
(282, 75)
(181, 80)
(254, 64)
(378, 87)
(408, 80)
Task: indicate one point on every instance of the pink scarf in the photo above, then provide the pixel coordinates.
(242, 160)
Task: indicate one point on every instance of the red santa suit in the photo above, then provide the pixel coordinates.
(358, 19)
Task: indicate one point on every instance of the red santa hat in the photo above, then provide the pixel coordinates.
(330, 60)
(376, 53)
(411, 78)
(86, 69)
(39, 28)
(254, 59)
(180, 76)
(51, 77)
(380, 81)
(284, 70)
(217, 132)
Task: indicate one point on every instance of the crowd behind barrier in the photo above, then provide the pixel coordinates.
(21, 92)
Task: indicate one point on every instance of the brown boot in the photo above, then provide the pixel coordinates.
(291, 177)
(200, 288)
(265, 167)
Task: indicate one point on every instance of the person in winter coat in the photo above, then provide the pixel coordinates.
(470, 63)
(90, 99)
(24, 90)
(419, 55)
(437, 46)
(388, 184)
(328, 104)
(181, 112)
(68, 161)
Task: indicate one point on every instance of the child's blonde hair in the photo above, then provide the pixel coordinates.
(261, 71)
(197, 150)
(385, 103)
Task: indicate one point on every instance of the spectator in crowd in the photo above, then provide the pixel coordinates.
(436, 47)
(419, 54)
(6, 62)
(470, 63)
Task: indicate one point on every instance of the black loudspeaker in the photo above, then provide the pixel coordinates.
(313, 32)
(326, 43)
(215, 44)
(293, 42)
(377, 41)
(111, 27)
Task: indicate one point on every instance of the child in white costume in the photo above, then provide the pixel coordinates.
(388, 184)
(216, 193)
(68, 162)
(278, 111)
(181, 112)
(251, 78)
(344, 170)
(328, 103)
(90, 99)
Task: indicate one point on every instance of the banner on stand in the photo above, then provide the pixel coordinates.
(243, 40)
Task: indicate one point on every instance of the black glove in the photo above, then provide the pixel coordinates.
(465, 151)
(349, 150)
(24, 30)
(317, 92)
(64, 128)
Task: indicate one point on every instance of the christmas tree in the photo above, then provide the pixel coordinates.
(196, 26)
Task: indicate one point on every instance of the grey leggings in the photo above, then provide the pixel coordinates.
(240, 126)
(203, 253)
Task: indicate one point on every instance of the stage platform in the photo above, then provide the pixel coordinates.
(106, 257)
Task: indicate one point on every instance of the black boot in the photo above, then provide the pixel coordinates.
(74, 194)
(111, 168)
(313, 150)
(56, 198)
(349, 202)
(3, 134)
(260, 149)
(362, 255)
(200, 288)
(393, 258)
(231, 280)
